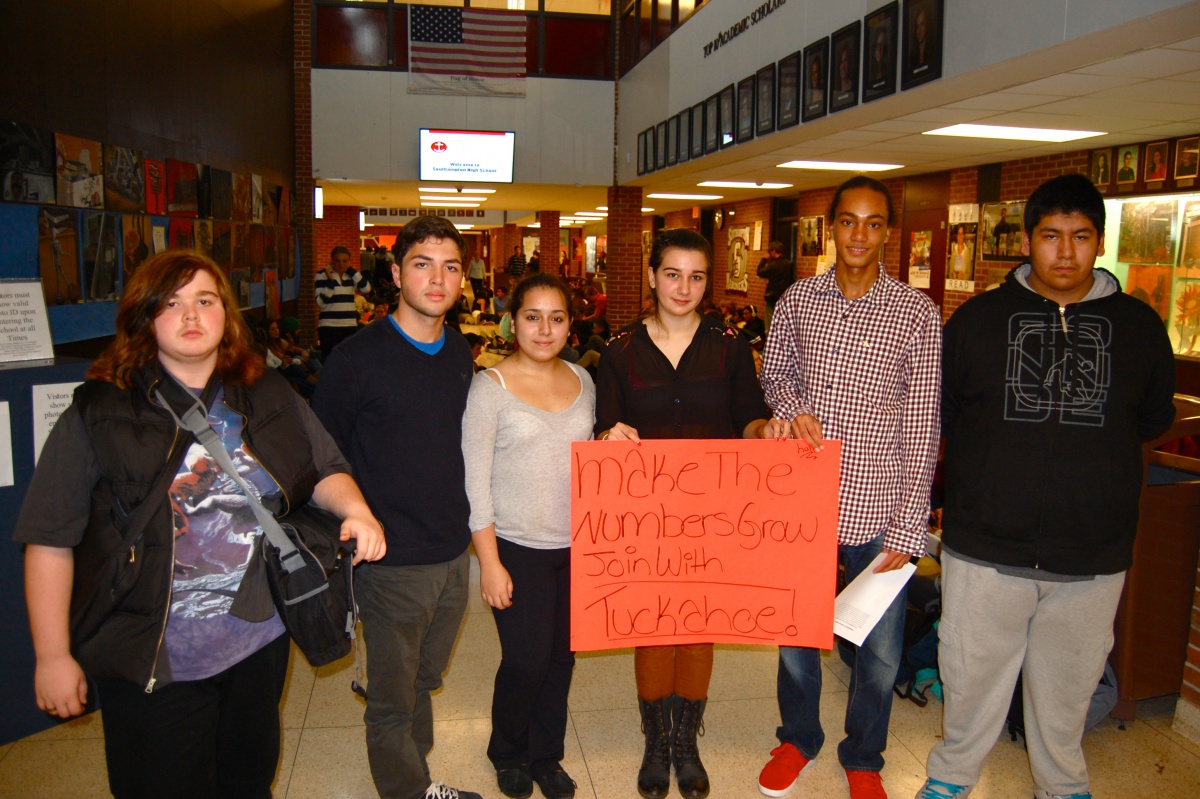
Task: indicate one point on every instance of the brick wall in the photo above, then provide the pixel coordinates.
(1187, 709)
(302, 202)
(339, 228)
(625, 259)
(548, 237)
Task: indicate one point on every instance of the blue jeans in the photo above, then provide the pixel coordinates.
(869, 705)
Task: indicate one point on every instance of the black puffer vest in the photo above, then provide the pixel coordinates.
(133, 438)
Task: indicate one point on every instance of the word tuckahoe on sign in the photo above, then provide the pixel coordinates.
(692, 541)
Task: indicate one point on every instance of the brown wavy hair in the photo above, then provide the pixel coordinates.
(146, 294)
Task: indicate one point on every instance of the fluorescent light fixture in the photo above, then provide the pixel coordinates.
(534, 224)
(840, 166)
(319, 202)
(463, 227)
(685, 197)
(741, 184)
(598, 214)
(1013, 133)
(647, 210)
(362, 220)
(447, 201)
(601, 207)
(444, 204)
(448, 190)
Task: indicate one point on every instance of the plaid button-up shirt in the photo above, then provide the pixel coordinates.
(870, 371)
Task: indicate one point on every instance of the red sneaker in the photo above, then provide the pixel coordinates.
(782, 771)
(865, 785)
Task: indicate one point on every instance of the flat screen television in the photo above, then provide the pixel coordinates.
(467, 156)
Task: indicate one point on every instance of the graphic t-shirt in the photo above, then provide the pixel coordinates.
(215, 536)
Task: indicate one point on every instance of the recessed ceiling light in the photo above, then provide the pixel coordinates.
(472, 201)
(463, 227)
(841, 166)
(444, 204)
(742, 184)
(685, 197)
(449, 190)
(1013, 133)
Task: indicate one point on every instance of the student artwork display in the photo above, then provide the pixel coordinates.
(1151, 283)
(879, 52)
(26, 163)
(180, 233)
(241, 246)
(285, 207)
(1186, 323)
(203, 237)
(258, 251)
(256, 199)
(222, 247)
(271, 293)
(156, 187)
(136, 244)
(124, 180)
(287, 259)
(183, 189)
(1147, 232)
(738, 276)
(812, 236)
(58, 260)
(1001, 232)
(220, 192)
(158, 233)
(79, 163)
(100, 232)
(1189, 250)
(270, 203)
(240, 279)
(241, 197)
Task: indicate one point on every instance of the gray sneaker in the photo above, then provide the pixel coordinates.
(438, 790)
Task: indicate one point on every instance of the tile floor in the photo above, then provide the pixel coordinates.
(324, 754)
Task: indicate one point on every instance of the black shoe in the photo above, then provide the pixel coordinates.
(555, 783)
(442, 791)
(515, 783)
(688, 717)
(654, 777)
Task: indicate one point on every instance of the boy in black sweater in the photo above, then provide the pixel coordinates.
(1050, 385)
(393, 397)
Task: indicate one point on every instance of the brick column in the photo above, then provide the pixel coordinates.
(624, 263)
(548, 236)
(302, 203)
(1187, 709)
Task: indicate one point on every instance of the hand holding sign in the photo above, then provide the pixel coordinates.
(678, 542)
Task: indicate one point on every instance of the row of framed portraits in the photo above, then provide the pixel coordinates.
(855, 64)
(1146, 163)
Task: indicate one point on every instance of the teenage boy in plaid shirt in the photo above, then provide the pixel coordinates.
(855, 355)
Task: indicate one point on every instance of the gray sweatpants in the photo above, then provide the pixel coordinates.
(993, 627)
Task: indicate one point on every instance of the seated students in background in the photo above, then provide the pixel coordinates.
(300, 372)
(525, 413)
(1033, 565)
(477, 343)
(753, 327)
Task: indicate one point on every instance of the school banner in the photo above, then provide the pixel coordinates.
(692, 541)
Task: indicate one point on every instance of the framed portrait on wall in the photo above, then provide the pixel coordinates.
(641, 153)
(1127, 164)
(1187, 158)
(922, 51)
(673, 140)
(1100, 170)
(843, 76)
(745, 109)
(685, 135)
(697, 130)
(660, 145)
(788, 105)
(881, 31)
(725, 115)
(816, 79)
(764, 100)
(712, 121)
(648, 151)
(1156, 161)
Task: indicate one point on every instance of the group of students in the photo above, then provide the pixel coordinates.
(1045, 390)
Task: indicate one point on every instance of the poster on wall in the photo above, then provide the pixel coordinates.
(241, 197)
(1147, 232)
(203, 230)
(100, 233)
(80, 165)
(960, 260)
(58, 259)
(919, 267)
(1185, 331)
(124, 179)
(271, 292)
(222, 246)
(135, 239)
(258, 252)
(26, 163)
(156, 187)
(240, 279)
(737, 278)
(180, 233)
(1001, 232)
(271, 197)
(812, 236)
(183, 189)
(220, 193)
(256, 198)
(241, 246)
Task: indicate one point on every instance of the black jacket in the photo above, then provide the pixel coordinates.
(132, 437)
(1044, 411)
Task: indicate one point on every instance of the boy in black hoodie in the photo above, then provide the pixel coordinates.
(1050, 385)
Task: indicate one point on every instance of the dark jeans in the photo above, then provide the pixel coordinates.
(332, 336)
(410, 617)
(529, 704)
(869, 706)
(216, 738)
(476, 287)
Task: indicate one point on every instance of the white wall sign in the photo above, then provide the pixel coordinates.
(24, 325)
(6, 449)
(49, 401)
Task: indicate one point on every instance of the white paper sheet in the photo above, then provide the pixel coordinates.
(862, 603)
(49, 401)
(6, 450)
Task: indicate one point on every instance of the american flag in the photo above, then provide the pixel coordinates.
(466, 42)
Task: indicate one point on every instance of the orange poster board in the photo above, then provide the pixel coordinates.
(683, 542)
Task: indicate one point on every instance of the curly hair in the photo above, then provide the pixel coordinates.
(146, 294)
